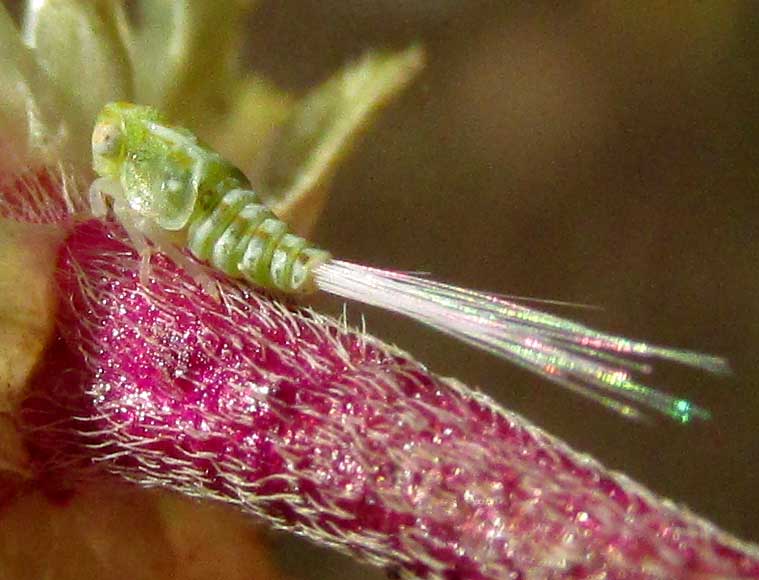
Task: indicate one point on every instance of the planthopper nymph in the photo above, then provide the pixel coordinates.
(170, 189)
(174, 194)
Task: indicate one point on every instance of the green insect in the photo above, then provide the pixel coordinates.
(171, 192)
(170, 189)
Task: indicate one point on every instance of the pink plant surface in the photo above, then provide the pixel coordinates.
(333, 435)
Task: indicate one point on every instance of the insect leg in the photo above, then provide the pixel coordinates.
(131, 225)
(104, 186)
(99, 189)
(164, 244)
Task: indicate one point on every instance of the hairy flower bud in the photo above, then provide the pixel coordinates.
(335, 436)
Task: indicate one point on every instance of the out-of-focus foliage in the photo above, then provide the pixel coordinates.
(185, 57)
(321, 129)
(27, 299)
(27, 114)
(120, 534)
(80, 44)
(27, 307)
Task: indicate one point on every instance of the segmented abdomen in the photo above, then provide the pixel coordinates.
(242, 237)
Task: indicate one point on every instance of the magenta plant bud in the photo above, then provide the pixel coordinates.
(331, 434)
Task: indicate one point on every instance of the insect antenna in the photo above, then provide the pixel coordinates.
(592, 363)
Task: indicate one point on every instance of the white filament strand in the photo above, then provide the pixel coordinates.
(592, 363)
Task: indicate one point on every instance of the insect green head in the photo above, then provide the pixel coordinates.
(117, 127)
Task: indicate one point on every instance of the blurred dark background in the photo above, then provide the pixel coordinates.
(593, 152)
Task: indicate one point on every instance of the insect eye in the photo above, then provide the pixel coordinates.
(106, 139)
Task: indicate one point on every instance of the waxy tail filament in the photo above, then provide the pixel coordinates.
(594, 364)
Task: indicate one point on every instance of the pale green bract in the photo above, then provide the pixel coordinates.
(170, 191)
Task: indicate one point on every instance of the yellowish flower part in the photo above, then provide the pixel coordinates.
(27, 311)
(101, 531)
